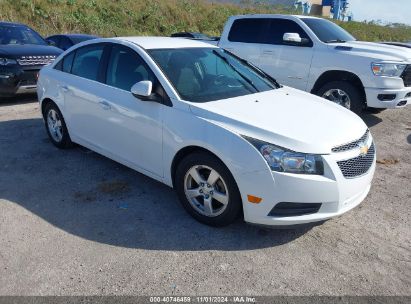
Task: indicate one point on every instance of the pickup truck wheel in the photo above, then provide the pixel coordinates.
(207, 190)
(56, 127)
(344, 94)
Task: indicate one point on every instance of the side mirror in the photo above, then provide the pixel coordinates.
(292, 37)
(51, 42)
(144, 90)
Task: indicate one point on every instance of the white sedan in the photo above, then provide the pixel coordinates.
(224, 134)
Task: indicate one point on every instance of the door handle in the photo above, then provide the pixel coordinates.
(267, 52)
(104, 104)
(65, 88)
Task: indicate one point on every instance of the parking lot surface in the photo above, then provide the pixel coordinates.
(75, 223)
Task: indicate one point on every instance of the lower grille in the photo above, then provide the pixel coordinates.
(294, 209)
(406, 76)
(357, 166)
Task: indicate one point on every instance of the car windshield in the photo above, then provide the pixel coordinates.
(207, 74)
(328, 31)
(12, 34)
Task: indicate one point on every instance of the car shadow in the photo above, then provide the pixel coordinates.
(92, 197)
(370, 118)
(20, 99)
(409, 139)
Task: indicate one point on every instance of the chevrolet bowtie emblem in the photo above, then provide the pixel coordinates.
(363, 149)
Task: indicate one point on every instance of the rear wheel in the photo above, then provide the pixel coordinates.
(343, 93)
(56, 127)
(207, 190)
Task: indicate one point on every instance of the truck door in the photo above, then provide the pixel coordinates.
(287, 62)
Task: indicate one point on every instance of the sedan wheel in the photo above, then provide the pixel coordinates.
(55, 126)
(207, 189)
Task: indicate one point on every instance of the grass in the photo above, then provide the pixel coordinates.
(109, 18)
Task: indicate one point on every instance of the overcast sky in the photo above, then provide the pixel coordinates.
(385, 10)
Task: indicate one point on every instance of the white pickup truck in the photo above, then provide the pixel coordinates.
(318, 56)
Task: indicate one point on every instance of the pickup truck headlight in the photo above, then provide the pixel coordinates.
(388, 69)
(283, 160)
(7, 61)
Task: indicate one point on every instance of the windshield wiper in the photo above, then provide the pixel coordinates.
(249, 81)
(260, 71)
(336, 41)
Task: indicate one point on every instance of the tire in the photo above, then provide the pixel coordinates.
(223, 194)
(356, 101)
(57, 130)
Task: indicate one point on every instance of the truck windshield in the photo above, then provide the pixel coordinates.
(17, 34)
(207, 74)
(328, 31)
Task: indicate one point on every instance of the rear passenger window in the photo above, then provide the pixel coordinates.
(278, 27)
(68, 62)
(249, 30)
(87, 61)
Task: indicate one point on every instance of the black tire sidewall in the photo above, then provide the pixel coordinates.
(357, 102)
(66, 140)
(234, 206)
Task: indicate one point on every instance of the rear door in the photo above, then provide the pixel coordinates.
(288, 63)
(245, 37)
(81, 94)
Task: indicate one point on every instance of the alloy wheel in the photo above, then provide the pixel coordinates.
(206, 190)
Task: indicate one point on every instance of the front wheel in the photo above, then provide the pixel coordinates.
(344, 94)
(207, 190)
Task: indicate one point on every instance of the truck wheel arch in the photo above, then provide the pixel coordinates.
(339, 75)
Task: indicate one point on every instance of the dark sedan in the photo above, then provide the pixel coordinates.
(66, 41)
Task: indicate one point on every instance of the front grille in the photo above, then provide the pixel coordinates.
(406, 76)
(359, 165)
(351, 145)
(36, 60)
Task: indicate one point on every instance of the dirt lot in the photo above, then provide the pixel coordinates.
(76, 223)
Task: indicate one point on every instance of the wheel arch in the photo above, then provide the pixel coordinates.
(183, 152)
(339, 75)
(44, 103)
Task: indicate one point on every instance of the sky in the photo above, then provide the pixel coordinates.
(385, 10)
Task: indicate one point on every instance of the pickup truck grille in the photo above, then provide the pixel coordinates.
(359, 165)
(406, 76)
(36, 60)
(352, 145)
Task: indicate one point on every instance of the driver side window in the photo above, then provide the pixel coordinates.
(126, 68)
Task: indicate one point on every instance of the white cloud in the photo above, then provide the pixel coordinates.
(385, 10)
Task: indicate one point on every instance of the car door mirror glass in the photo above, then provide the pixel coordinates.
(142, 89)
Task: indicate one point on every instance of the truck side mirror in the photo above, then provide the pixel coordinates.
(294, 39)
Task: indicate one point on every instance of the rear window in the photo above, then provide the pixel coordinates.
(248, 30)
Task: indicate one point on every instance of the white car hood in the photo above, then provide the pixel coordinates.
(286, 117)
(376, 50)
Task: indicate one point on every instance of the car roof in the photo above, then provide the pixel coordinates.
(274, 16)
(12, 23)
(165, 42)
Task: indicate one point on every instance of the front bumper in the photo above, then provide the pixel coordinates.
(388, 98)
(17, 80)
(336, 193)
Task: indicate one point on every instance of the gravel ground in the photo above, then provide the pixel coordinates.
(76, 223)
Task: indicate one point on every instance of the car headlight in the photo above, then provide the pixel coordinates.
(284, 160)
(7, 61)
(388, 69)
